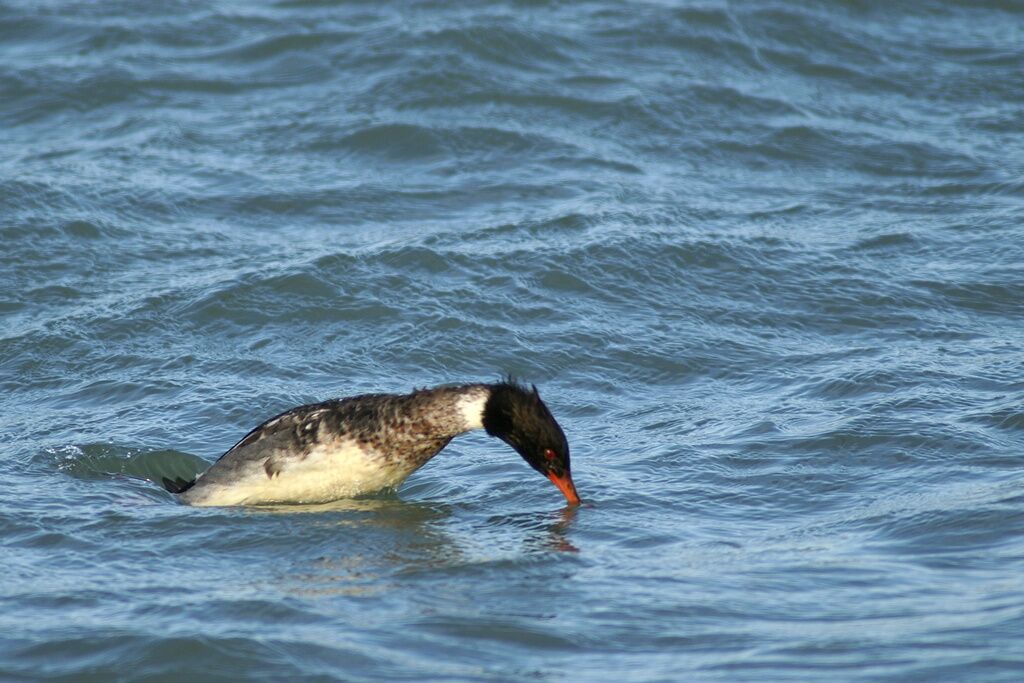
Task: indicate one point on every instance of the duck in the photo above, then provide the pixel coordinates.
(349, 447)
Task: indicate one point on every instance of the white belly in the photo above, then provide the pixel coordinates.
(327, 473)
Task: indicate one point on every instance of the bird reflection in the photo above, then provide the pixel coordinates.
(378, 539)
(385, 542)
(545, 532)
(559, 529)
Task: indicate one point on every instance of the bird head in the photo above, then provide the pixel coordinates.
(517, 415)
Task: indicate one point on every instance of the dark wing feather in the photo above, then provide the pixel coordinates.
(289, 420)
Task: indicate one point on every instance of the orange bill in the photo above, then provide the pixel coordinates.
(565, 485)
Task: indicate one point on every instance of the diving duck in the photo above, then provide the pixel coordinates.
(364, 444)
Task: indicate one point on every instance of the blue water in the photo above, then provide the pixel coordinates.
(765, 262)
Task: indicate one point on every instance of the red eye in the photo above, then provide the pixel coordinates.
(549, 454)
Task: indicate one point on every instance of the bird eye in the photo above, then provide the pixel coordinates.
(549, 454)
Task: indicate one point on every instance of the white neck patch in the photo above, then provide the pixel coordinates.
(471, 407)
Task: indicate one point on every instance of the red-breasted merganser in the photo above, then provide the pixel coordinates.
(363, 444)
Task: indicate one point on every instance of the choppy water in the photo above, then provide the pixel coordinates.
(765, 261)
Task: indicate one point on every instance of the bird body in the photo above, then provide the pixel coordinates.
(364, 444)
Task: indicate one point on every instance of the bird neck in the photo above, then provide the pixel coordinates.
(470, 404)
(446, 411)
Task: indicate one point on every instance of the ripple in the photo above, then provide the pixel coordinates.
(1009, 417)
(273, 47)
(105, 460)
(505, 45)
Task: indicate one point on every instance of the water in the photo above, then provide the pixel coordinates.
(764, 261)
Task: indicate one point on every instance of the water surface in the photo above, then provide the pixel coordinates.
(764, 261)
